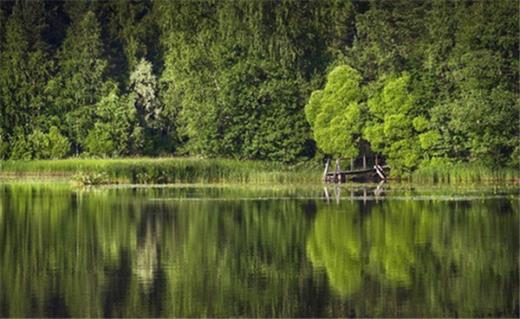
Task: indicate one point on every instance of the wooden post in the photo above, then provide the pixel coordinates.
(379, 189)
(379, 171)
(327, 197)
(336, 172)
(351, 164)
(326, 170)
(376, 161)
(364, 161)
(337, 193)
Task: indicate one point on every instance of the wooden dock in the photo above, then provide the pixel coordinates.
(377, 172)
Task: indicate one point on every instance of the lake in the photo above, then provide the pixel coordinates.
(258, 251)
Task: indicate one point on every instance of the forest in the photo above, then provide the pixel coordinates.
(418, 83)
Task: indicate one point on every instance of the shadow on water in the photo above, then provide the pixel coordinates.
(179, 252)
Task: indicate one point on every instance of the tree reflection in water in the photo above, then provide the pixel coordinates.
(181, 252)
(429, 257)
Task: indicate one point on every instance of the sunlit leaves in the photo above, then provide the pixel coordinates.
(335, 114)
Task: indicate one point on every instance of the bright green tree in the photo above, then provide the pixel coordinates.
(390, 129)
(115, 131)
(335, 113)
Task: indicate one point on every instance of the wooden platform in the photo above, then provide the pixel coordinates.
(376, 172)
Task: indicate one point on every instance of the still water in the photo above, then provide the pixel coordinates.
(258, 252)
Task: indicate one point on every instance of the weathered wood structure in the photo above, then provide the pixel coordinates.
(376, 172)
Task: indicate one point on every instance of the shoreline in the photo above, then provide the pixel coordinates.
(193, 171)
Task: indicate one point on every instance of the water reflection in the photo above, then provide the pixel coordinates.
(370, 192)
(126, 252)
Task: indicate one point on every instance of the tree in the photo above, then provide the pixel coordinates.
(335, 113)
(390, 129)
(39, 145)
(153, 124)
(423, 81)
(24, 70)
(115, 131)
(79, 82)
(144, 87)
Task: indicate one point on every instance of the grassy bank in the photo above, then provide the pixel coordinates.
(464, 173)
(221, 171)
(159, 171)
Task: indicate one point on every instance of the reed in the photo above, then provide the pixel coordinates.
(459, 173)
(161, 171)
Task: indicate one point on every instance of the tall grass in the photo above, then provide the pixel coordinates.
(223, 171)
(464, 173)
(162, 170)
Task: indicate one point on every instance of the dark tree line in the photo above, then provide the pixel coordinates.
(416, 81)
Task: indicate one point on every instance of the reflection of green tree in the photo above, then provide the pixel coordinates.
(455, 258)
(245, 252)
(392, 249)
(335, 245)
(118, 253)
(482, 249)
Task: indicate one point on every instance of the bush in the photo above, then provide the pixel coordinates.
(20, 149)
(59, 145)
(40, 145)
(99, 140)
(91, 178)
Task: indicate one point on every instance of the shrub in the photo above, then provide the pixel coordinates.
(99, 140)
(40, 145)
(59, 145)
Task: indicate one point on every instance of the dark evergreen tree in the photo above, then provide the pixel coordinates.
(80, 81)
(24, 72)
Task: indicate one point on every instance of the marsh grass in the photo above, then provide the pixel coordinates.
(170, 170)
(161, 171)
(464, 173)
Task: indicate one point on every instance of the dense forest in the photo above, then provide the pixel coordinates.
(417, 82)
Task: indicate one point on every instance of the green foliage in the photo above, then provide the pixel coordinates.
(91, 179)
(144, 85)
(79, 82)
(115, 125)
(59, 145)
(20, 148)
(406, 80)
(40, 145)
(420, 123)
(99, 140)
(335, 113)
(391, 131)
(429, 140)
(24, 68)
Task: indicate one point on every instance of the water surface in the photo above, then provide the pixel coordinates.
(258, 252)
